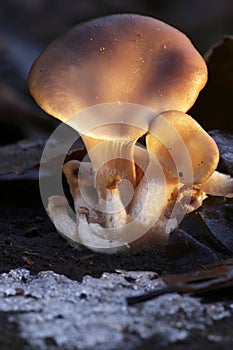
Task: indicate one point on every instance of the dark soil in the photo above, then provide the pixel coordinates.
(28, 239)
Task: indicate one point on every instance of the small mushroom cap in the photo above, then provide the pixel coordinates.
(126, 57)
(183, 147)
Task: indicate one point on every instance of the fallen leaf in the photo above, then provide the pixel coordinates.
(197, 282)
(28, 261)
(21, 156)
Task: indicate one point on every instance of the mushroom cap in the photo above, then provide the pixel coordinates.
(112, 122)
(183, 147)
(127, 58)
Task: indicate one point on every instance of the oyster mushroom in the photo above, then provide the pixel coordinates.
(117, 64)
(118, 58)
(188, 156)
(125, 58)
(185, 150)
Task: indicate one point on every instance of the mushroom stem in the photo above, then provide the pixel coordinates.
(96, 238)
(80, 180)
(116, 214)
(141, 160)
(75, 171)
(90, 235)
(110, 132)
(57, 210)
(150, 195)
(218, 184)
(111, 158)
(109, 212)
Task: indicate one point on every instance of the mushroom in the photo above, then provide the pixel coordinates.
(118, 58)
(110, 132)
(181, 145)
(126, 58)
(111, 79)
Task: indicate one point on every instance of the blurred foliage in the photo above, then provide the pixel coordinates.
(204, 21)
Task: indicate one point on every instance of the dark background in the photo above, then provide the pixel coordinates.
(36, 22)
(27, 26)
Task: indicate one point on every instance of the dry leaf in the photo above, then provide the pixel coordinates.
(196, 282)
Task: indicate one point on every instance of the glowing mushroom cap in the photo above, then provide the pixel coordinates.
(183, 147)
(125, 57)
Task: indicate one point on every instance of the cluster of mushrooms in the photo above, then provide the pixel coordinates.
(115, 80)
